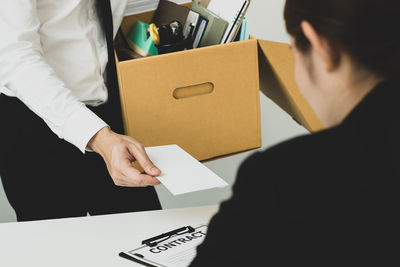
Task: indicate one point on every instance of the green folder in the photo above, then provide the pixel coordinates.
(216, 26)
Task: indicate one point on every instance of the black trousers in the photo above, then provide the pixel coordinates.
(45, 177)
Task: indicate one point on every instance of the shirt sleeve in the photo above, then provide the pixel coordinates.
(24, 71)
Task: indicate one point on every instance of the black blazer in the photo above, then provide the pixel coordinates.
(330, 198)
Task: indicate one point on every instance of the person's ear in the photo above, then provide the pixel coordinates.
(321, 46)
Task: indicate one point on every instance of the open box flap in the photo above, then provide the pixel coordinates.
(277, 81)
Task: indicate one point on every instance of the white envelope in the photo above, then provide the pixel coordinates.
(181, 173)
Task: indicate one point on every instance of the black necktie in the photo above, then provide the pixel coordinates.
(112, 115)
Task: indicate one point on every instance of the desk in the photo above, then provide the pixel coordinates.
(90, 241)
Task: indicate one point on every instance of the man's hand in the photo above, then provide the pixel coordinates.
(118, 152)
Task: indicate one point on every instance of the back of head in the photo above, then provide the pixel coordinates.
(367, 30)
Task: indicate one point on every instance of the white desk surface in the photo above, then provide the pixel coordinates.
(90, 241)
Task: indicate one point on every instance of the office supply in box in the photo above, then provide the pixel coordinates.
(216, 26)
(232, 11)
(206, 100)
(168, 11)
(122, 47)
(154, 33)
(243, 33)
(140, 41)
(172, 38)
(200, 30)
(244, 30)
(176, 248)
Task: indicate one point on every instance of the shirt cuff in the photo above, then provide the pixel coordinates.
(81, 126)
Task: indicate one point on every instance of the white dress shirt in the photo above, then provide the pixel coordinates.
(52, 57)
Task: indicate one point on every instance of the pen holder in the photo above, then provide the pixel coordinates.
(174, 47)
(172, 38)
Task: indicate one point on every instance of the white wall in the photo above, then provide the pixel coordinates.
(6, 212)
(266, 22)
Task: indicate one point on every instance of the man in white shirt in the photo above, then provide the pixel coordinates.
(56, 107)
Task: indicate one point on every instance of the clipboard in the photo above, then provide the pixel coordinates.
(176, 248)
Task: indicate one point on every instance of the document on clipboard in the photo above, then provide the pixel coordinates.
(173, 249)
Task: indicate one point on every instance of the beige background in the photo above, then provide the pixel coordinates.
(266, 22)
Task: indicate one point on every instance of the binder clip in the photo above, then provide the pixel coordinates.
(154, 241)
(141, 41)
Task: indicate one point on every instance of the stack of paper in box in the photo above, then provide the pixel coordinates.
(135, 7)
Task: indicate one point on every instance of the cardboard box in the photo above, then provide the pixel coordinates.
(277, 82)
(206, 100)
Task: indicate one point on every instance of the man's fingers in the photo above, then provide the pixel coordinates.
(141, 156)
(148, 180)
(119, 163)
(133, 177)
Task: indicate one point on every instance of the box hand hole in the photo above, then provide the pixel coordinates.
(193, 90)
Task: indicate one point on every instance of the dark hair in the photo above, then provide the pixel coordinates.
(365, 29)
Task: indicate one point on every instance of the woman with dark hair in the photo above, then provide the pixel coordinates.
(332, 197)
